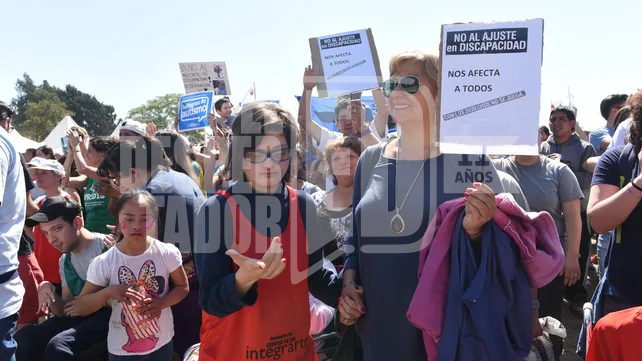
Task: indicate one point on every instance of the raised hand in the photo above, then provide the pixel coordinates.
(309, 81)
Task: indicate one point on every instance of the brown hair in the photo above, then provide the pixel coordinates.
(429, 64)
(635, 136)
(352, 143)
(249, 127)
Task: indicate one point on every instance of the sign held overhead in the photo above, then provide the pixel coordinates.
(194, 110)
(345, 63)
(490, 86)
(209, 76)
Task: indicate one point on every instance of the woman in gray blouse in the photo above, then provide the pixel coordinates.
(398, 187)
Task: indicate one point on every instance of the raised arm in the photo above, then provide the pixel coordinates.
(306, 123)
(381, 118)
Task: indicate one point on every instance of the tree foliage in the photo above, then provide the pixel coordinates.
(163, 111)
(42, 116)
(89, 113)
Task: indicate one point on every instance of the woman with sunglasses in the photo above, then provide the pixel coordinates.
(398, 186)
(252, 249)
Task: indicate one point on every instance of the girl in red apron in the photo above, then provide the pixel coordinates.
(259, 250)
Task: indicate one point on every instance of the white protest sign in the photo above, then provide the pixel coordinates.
(490, 87)
(210, 76)
(345, 63)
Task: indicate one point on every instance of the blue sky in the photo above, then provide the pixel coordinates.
(126, 52)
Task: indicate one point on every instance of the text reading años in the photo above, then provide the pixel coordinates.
(473, 73)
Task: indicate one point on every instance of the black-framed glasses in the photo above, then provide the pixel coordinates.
(259, 156)
(410, 84)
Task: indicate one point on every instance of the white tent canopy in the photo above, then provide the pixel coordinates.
(21, 143)
(60, 131)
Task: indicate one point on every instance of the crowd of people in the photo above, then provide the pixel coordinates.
(277, 230)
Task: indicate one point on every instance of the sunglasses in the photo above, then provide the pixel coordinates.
(410, 84)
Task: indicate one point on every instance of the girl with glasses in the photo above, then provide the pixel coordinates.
(252, 246)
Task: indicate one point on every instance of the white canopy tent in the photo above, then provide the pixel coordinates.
(21, 143)
(60, 131)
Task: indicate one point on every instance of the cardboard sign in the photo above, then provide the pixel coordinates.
(490, 87)
(345, 63)
(194, 110)
(211, 76)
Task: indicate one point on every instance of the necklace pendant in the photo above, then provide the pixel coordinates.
(397, 224)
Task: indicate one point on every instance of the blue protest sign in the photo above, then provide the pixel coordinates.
(193, 110)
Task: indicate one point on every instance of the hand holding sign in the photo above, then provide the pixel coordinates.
(252, 270)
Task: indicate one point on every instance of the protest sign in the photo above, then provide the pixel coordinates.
(345, 63)
(194, 110)
(211, 76)
(490, 85)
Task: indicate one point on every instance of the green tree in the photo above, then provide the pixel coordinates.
(97, 118)
(91, 114)
(42, 117)
(163, 111)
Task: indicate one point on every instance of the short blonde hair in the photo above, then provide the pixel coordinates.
(429, 64)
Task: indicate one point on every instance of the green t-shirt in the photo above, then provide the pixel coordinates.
(97, 214)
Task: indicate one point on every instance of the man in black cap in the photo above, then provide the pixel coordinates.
(60, 337)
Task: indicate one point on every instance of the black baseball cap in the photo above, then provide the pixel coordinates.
(53, 208)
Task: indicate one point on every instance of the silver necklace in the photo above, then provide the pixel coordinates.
(397, 223)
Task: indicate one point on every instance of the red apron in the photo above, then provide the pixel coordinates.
(277, 327)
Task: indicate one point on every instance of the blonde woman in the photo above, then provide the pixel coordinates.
(398, 185)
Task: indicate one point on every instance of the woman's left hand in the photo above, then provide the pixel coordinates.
(74, 138)
(480, 208)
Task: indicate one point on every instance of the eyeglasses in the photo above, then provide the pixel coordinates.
(410, 84)
(259, 156)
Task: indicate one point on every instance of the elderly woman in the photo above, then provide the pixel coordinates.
(334, 207)
(614, 205)
(398, 187)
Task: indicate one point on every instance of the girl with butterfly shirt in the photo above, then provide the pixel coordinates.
(134, 277)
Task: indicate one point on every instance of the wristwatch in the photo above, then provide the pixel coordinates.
(535, 304)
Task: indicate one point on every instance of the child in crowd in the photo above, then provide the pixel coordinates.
(48, 174)
(134, 276)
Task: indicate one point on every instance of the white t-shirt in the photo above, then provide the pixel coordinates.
(621, 135)
(130, 333)
(12, 219)
(328, 135)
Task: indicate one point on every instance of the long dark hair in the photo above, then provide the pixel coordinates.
(176, 149)
(249, 127)
(145, 154)
(102, 144)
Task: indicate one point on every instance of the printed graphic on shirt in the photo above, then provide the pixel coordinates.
(141, 330)
(276, 347)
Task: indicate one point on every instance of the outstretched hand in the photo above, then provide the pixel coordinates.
(268, 267)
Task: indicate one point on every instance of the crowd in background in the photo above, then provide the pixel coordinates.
(261, 237)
